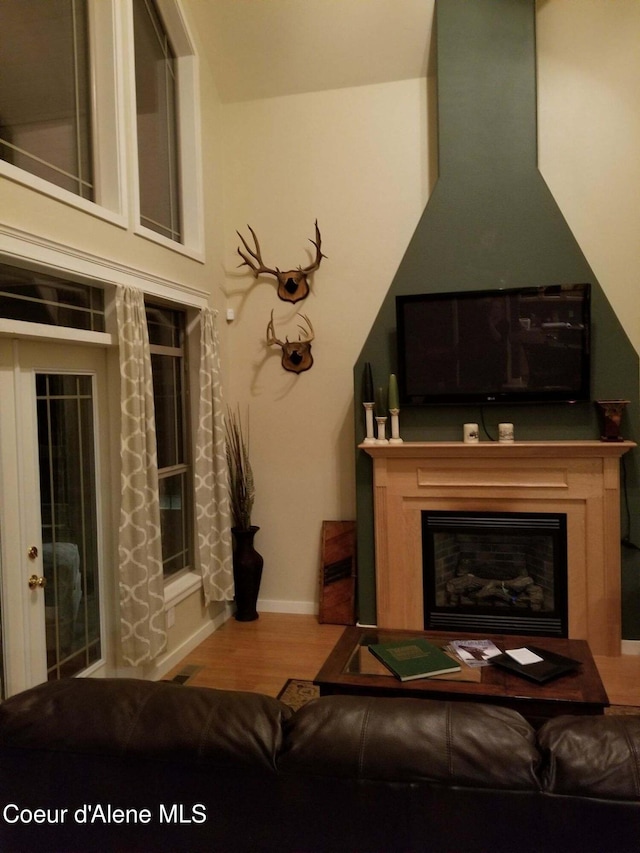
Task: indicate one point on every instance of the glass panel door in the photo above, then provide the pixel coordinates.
(69, 522)
(54, 506)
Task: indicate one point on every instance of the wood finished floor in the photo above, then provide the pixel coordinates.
(260, 656)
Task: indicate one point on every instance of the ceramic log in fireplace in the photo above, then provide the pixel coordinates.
(578, 481)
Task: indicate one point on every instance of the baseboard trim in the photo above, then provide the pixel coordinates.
(275, 606)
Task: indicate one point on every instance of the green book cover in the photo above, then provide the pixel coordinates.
(413, 658)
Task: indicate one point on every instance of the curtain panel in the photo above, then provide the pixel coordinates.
(141, 582)
(213, 516)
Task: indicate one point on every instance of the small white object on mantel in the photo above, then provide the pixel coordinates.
(370, 437)
(470, 433)
(395, 427)
(382, 430)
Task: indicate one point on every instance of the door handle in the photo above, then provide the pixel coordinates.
(35, 582)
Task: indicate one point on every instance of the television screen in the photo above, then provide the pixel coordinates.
(527, 344)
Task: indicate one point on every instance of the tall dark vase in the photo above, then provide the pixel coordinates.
(247, 573)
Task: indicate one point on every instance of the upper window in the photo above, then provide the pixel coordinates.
(45, 112)
(156, 100)
(38, 297)
(74, 76)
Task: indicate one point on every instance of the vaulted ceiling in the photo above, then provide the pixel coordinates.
(269, 48)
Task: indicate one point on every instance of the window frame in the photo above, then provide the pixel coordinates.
(188, 134)
(113, 127)
(20, 249)
(185, 468)
(107, 123)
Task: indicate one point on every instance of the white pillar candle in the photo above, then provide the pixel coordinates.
(505, 433)
(470, 434)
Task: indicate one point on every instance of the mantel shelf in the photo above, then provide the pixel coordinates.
(492, 449)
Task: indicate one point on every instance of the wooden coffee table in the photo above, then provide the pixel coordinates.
(352, 669)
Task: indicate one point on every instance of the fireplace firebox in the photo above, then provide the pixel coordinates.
(495, 572)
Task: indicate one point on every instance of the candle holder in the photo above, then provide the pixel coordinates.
(368, 413)
(612, 411)
(382, 427)
(395, 427)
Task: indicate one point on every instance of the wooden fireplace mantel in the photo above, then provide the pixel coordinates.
(578, 478)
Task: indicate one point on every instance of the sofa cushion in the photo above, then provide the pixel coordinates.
(406, 740)
(129, 718)
(592, 756)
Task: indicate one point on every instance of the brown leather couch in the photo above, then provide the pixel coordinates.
(128, 765)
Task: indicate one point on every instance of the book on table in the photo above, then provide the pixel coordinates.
(475, 653)
(413, 658)
(549, 664)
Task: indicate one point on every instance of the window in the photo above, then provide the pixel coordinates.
(168, 364)
(37, 297)
(45, 111)
(74, 76)
(156, 98)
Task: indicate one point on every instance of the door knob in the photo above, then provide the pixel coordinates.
(35, 581)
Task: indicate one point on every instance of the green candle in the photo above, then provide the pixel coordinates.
(380, 409)
(394, 397)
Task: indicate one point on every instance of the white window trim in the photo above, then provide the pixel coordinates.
(188, 132)
(181, 587)
(105, 44)
(115, 147)
(25, 249)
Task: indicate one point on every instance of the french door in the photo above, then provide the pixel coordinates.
(54, 439)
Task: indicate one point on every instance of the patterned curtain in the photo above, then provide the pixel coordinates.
(142, 616)
(213, 525)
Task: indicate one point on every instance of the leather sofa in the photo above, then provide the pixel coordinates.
(130, 765)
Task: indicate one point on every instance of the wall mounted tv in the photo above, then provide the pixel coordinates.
(526, 345)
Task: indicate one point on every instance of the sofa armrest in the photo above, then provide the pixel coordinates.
(592, 756)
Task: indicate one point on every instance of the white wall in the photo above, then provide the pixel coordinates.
(357, 159)
(589, 136)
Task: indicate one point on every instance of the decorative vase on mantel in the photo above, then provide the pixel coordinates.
(247, 573)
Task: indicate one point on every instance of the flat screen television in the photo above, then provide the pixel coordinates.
(526, 345)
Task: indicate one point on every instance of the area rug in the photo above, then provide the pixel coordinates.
(297, 692)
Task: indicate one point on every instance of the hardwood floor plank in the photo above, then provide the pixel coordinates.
(260, 656)
(621, 678)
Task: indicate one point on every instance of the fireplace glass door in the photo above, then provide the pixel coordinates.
(501, 573)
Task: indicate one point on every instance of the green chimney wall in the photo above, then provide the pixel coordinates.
(492, 222)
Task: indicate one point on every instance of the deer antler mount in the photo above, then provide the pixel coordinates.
(296, 355)
(293, 285)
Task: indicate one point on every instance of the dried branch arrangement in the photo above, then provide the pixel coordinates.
(241, 485)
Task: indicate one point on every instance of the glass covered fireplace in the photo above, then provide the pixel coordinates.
(501, 573)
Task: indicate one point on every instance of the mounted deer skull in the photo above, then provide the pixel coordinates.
(296, 355)
(293, 285)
